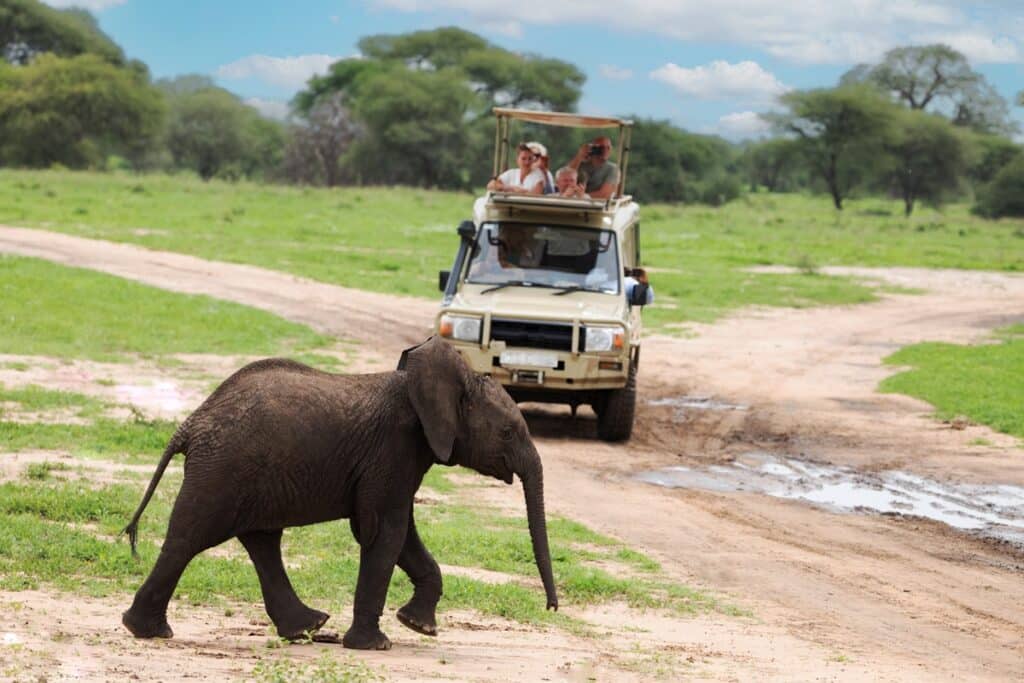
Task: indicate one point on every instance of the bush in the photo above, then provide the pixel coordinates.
(720, 189)
(1004, 196)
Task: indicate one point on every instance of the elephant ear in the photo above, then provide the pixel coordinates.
(436, 385)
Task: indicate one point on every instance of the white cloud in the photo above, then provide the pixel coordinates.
(804, 31)
(512, 29)
(721, 80)
(615, 73)
(91, 5)
(978, 47)
(285, 72)
(272, 109)
(742, 125)
(335, 19)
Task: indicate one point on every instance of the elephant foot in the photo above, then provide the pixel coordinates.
(146, 628)
(418, 618)
(302, 627)
(363, 638)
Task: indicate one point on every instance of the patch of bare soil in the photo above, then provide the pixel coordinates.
(834, 596)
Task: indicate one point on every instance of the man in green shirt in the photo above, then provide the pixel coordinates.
(592, 160)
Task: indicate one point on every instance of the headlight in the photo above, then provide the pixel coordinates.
(604, 338)
(460, 327)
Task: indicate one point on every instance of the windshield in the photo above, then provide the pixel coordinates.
(531, 254)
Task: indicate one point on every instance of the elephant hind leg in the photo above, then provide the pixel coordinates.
(292, 618)
(147, 617)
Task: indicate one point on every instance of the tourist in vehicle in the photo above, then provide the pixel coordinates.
(602, 175)
(543, 163)
(525, 179)
(567, 185)
(599, 278)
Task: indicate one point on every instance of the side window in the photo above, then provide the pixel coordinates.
(636, 246)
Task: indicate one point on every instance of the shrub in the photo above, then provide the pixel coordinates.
(1004, 196)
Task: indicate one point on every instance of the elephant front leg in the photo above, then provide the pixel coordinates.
(381, 538)
(420, 613)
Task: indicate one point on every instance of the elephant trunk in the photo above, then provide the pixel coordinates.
(531, 473)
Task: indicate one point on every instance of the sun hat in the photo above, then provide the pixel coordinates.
(537, 148)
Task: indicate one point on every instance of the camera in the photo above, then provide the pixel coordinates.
(596, 150)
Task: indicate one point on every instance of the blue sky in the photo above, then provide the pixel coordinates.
(707, 66)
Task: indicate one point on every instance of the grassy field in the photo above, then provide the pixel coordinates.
(983, 382)
(396, 239)
(48, 309)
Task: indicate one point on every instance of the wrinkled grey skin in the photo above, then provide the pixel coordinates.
(280, 444)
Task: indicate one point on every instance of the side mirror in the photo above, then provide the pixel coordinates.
(638, 295)
(467, 230)
(442, 279)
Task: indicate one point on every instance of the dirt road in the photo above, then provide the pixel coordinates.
(835, 596)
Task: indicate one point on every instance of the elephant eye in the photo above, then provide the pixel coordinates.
(506, 433)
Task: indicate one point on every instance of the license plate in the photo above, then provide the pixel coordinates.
(533, 359)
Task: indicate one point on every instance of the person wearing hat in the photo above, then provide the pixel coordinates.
(522, 180)
(542, 164)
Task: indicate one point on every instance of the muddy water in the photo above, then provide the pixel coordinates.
(995, 510)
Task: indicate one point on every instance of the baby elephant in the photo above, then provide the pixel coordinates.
(280, 444)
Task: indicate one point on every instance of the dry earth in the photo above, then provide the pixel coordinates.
(834, 597)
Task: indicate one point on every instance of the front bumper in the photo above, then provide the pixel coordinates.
(574, 371)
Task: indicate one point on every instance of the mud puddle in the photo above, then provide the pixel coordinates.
(682, 404)
(995, 510)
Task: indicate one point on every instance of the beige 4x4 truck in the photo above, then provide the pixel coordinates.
(539, 294)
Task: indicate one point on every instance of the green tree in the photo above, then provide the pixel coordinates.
(992, 153)
(29, 28)
(422, 101)
(929, 156)
(1004, 196)
(939, 79)
(772, 164)
(837, 130)
(74, 112)
(213, 133)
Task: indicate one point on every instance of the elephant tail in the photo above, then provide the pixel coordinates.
(178, 444)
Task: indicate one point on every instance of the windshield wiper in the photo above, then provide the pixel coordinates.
(510, 283)
(562, 291)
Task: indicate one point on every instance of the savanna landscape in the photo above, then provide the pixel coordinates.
(121, 315)
(825, 474)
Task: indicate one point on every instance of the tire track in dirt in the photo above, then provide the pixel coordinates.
(921, 602)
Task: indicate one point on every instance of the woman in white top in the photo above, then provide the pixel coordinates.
(522, 180)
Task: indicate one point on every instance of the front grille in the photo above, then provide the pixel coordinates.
(534, 335)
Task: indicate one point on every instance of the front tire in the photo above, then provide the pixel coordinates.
(617, 410)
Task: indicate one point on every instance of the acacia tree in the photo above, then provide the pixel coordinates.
(214, 133)
(929, 157)
(835, 129)
(422, 98)
(771, 163)
(938, 79)
(29, 28)
(74, 112)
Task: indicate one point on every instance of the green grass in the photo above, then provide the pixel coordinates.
(103, 437)
(984, 382)
(395, 240)
(38, 399)
(48, 309)
(65, 534)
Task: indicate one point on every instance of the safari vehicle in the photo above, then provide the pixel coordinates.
(537, 296)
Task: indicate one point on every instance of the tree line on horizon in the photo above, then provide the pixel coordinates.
(415, 109)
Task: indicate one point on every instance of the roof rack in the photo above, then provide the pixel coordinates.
(502, 146)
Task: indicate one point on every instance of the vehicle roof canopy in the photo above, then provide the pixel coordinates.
(557, 118)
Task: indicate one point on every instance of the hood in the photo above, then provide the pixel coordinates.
(532, 302)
